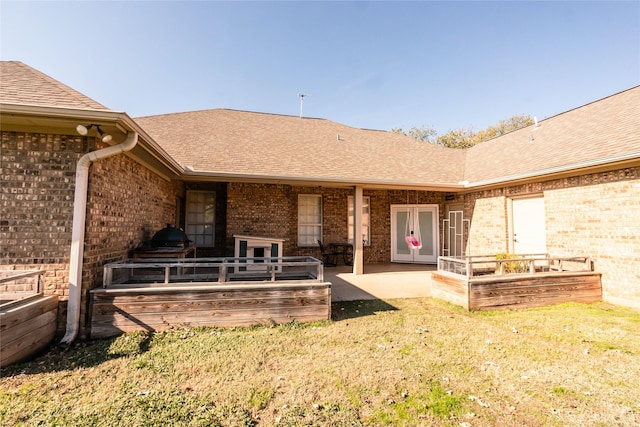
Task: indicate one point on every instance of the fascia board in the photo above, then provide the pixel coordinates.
(89, 115)
(548, 173)
(193, 175)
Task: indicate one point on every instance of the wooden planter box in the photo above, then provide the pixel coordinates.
(114, 311)
(27, 317)
(536, 288)
(153, 295)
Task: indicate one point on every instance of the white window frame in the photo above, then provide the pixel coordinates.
(366, 219)
(200, 222)
(313, 201)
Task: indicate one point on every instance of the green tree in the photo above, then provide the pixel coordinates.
(422, 133)
(465, 138)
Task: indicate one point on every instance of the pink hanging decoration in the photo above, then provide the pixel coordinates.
(412, 242)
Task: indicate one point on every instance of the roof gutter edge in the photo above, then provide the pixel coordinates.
(189, 172)
(555, 170)
(97, 115)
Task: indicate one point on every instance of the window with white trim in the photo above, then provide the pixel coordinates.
(309, 219)
(200, 217)
(366, 229)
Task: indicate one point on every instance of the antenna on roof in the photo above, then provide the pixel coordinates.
(302, 96)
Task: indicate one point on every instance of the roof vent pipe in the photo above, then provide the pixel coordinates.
(77, 232)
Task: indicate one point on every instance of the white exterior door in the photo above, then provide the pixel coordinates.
(529, 230)
(423, 221)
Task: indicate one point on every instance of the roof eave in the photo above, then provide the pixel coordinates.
(597, 165)
(60, 118)
(315, 181)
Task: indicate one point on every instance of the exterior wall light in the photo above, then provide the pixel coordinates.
(84, 130)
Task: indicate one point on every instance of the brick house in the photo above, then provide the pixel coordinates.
(568, 185)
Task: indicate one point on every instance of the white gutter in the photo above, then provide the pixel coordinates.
(77, 233)
(191, 173)
(556, 169)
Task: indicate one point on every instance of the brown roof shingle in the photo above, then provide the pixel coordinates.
(21, 84)
(239, 142)
(600, 130)
(221, 141)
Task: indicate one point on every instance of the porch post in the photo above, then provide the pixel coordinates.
(358, 257)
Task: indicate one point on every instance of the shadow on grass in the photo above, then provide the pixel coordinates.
(344, 310)
(85, 354)
(81, 354)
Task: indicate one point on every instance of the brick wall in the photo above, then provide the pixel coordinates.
(126, 204)
(595, 215)
(271, 210)
(489, 227)
(38, 175)
(601, 221)
(36, 194)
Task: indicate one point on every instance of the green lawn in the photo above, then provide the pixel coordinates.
(400, 362)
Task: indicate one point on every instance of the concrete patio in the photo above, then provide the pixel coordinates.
(380, 281)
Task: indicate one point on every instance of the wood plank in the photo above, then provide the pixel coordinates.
(452, 289)
(536, 293)
(32, 307)
(206, 304)
(117, 323)
(114, 311)
(176, 294)
(519, 290)
(31, 337)
(140, 309)
(161, 296)
(487, 291)
(179, 318)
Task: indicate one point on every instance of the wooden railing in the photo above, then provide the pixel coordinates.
(207, 270)
(474, 266)
(16, 285)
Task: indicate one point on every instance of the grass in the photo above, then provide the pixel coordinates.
(395, 363)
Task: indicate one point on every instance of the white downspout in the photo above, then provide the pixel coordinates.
(77, 233)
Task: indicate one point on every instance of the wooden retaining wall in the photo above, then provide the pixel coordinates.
(518, 290)
(114, 311)
(449, 287)
(26, 327)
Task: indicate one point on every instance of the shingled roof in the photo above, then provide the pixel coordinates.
(246, 145)
(229, 142)
(606, 130)
(21, 84)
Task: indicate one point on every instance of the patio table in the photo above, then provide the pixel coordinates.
(345, 249)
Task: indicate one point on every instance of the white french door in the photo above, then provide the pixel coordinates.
(423, 221)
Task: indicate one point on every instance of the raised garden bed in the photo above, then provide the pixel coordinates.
(27, 316)
(515, 281)
(156, 294)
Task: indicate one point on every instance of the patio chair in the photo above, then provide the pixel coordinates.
(329, 256)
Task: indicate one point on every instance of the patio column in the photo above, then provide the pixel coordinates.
(358, 257)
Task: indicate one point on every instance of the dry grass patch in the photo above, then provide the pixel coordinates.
(400, 362)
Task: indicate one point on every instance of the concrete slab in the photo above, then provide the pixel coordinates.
(380, 281)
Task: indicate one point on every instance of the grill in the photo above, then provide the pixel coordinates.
(170, 237)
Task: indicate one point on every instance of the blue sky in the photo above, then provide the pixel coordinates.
(375, 65)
